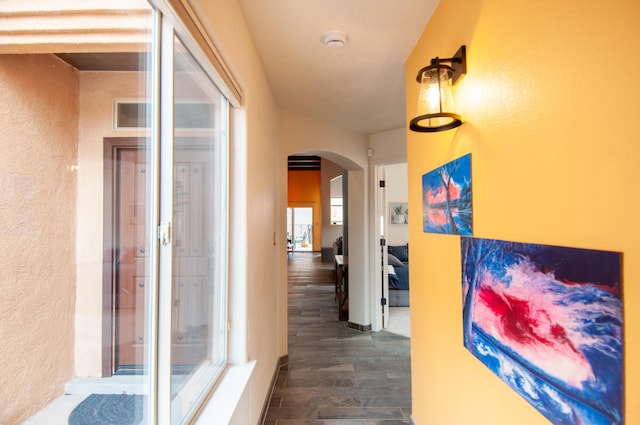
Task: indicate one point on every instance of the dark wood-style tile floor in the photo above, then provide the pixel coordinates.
(336, 375)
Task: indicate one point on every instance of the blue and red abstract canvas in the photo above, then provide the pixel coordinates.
(548, 321)
(446, 198)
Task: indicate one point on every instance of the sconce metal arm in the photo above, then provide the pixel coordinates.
(458, 65)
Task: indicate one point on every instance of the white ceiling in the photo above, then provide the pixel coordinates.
(361, 86)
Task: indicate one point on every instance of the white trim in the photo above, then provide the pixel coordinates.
(238, 241)
(225, 401)
(154, 218)
(166, 216)
(199, 43)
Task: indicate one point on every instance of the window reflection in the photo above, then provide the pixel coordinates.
(199, 221)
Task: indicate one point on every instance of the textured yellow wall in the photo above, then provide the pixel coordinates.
(550, 104)
(38, 145)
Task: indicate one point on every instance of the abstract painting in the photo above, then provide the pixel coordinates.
(547, 320)
(446, 198)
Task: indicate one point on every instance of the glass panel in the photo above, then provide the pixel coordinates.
(75, 199)
(198, 349)
(128, 230)
(135, 114)
(302, 225)
(290, 224)
(336, 211)
(130, 114)
(194, 115)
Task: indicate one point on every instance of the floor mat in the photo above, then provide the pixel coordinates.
(109, 409)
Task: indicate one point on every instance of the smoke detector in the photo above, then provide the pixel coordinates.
(334, 39)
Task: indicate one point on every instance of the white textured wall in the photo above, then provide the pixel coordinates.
(389, 146)
(397, 191)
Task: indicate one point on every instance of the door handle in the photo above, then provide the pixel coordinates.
(164, 233)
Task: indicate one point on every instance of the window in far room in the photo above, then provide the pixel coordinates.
(336, 211)
(336, 201)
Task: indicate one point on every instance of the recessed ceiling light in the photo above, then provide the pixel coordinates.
(334, 38)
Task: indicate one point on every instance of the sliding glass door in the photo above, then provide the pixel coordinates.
(122, 144)
(199, 236)
(165, 232)
(171, 239)
(300, 228)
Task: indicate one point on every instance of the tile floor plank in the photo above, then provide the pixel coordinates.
(336, 375)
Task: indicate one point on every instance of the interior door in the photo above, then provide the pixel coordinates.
(191, 293)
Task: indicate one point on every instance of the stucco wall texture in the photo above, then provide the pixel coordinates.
(38, 145)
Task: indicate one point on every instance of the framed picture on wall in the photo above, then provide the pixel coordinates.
(446, 201)
(548, 321)
(398, 213)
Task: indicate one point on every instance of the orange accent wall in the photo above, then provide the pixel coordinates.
(39, 106)
(304, 190)
(550, 122)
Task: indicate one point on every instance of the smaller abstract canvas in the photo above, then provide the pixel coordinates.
(547, 320)
(446, 198)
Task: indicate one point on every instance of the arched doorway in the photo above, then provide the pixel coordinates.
(353, 231)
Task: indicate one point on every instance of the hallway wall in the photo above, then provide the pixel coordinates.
(554, 146)
(257, 209)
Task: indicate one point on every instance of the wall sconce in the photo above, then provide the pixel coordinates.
(435, 102)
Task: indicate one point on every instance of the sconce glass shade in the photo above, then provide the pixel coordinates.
(435, 101)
